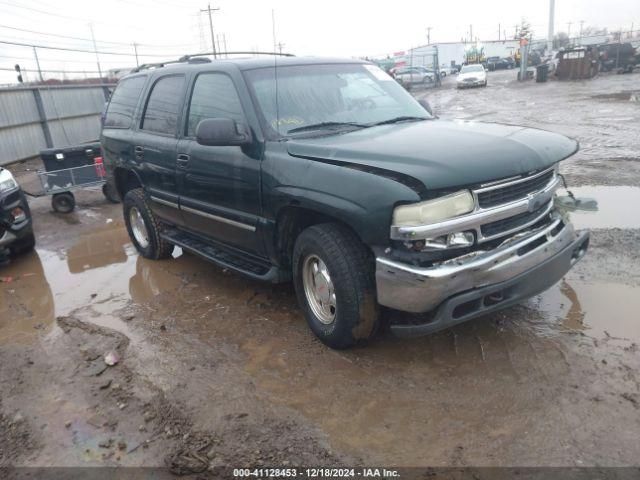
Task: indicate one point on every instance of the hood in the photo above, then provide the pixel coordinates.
(442, 153)
(462, 76)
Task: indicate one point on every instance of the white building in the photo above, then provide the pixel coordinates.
(453, 53)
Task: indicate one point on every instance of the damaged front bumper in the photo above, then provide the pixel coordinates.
(464, 288)
(12, 231)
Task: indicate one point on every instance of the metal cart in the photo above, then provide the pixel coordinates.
(71, 168)
(61, 183)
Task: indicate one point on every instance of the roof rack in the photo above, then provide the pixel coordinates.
(202, 58)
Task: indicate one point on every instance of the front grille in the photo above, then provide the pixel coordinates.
(516, 191)
(502, 226)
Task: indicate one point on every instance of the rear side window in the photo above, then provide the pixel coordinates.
(214, 96)
(164, 104)
(123, 102)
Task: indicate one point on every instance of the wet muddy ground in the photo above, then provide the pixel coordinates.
(215, 369)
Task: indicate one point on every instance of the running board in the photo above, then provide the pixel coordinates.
(226, 257)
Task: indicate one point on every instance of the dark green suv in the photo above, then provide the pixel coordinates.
(328, 173)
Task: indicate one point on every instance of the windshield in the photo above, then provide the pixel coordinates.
(471, 68)
(331, 94)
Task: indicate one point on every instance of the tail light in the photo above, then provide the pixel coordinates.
(100, 171)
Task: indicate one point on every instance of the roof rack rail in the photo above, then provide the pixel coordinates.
(202, 58)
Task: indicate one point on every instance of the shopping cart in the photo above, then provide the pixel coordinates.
(72, 168)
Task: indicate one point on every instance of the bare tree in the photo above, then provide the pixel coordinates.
(524, 30)
(560, 40)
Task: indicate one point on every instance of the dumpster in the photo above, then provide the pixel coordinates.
(542, 73)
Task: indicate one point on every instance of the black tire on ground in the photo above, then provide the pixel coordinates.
(63, 202)
(25, 245)
(157, 248)
(110, 193)
(351, 268)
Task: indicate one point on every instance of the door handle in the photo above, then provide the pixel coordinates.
(138, 152)
(183, 160)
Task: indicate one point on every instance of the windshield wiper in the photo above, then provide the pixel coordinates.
(405, 118)
(325, 125)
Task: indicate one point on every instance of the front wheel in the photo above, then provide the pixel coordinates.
(333, 275)
(143, 227)
(25, 245)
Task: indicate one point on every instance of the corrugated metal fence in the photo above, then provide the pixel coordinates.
(34, 118)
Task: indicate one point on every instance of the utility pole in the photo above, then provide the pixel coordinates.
(569, 29)
(135, 50)
(552, 7)
(224, 42)
(471, 33)
(280, 45)
(499, 32)
(429, 35)
(95, 49)
(516, 27)
(210, 10)
(35, 54)
(581, 24)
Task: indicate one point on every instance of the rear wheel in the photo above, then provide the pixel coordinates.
(63, 202)
(143, 227)
(110, 193)
(334, 282)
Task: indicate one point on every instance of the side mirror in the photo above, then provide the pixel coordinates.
(425, 105)
(222, 132)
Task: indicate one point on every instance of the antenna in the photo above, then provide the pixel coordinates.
(275, 68)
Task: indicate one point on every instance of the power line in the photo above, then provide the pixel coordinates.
(69, 49)
(68, 17)
(58, 35)
(48, 71)
(146, 45)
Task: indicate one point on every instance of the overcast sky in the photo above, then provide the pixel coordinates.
(168, 28)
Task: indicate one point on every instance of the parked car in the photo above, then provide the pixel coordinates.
(472, 76)
(448, 70)
(338, 179)
(497, 63)
(16, 229)
(410, 76)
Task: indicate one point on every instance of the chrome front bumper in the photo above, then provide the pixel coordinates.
(415, 289)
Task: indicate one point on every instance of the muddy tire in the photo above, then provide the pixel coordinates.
(110, 193)
(333, 275)
(143, 227)
(63, 202)
(25, 245)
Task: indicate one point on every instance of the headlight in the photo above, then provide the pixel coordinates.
(434, 211)
(7, 182)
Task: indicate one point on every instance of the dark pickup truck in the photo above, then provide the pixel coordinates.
(328, 173)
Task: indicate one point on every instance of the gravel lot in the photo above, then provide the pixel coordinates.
(218, 370)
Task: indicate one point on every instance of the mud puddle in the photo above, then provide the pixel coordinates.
(100, 273)
(623, 96)
(617, 207)
(599, 310)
